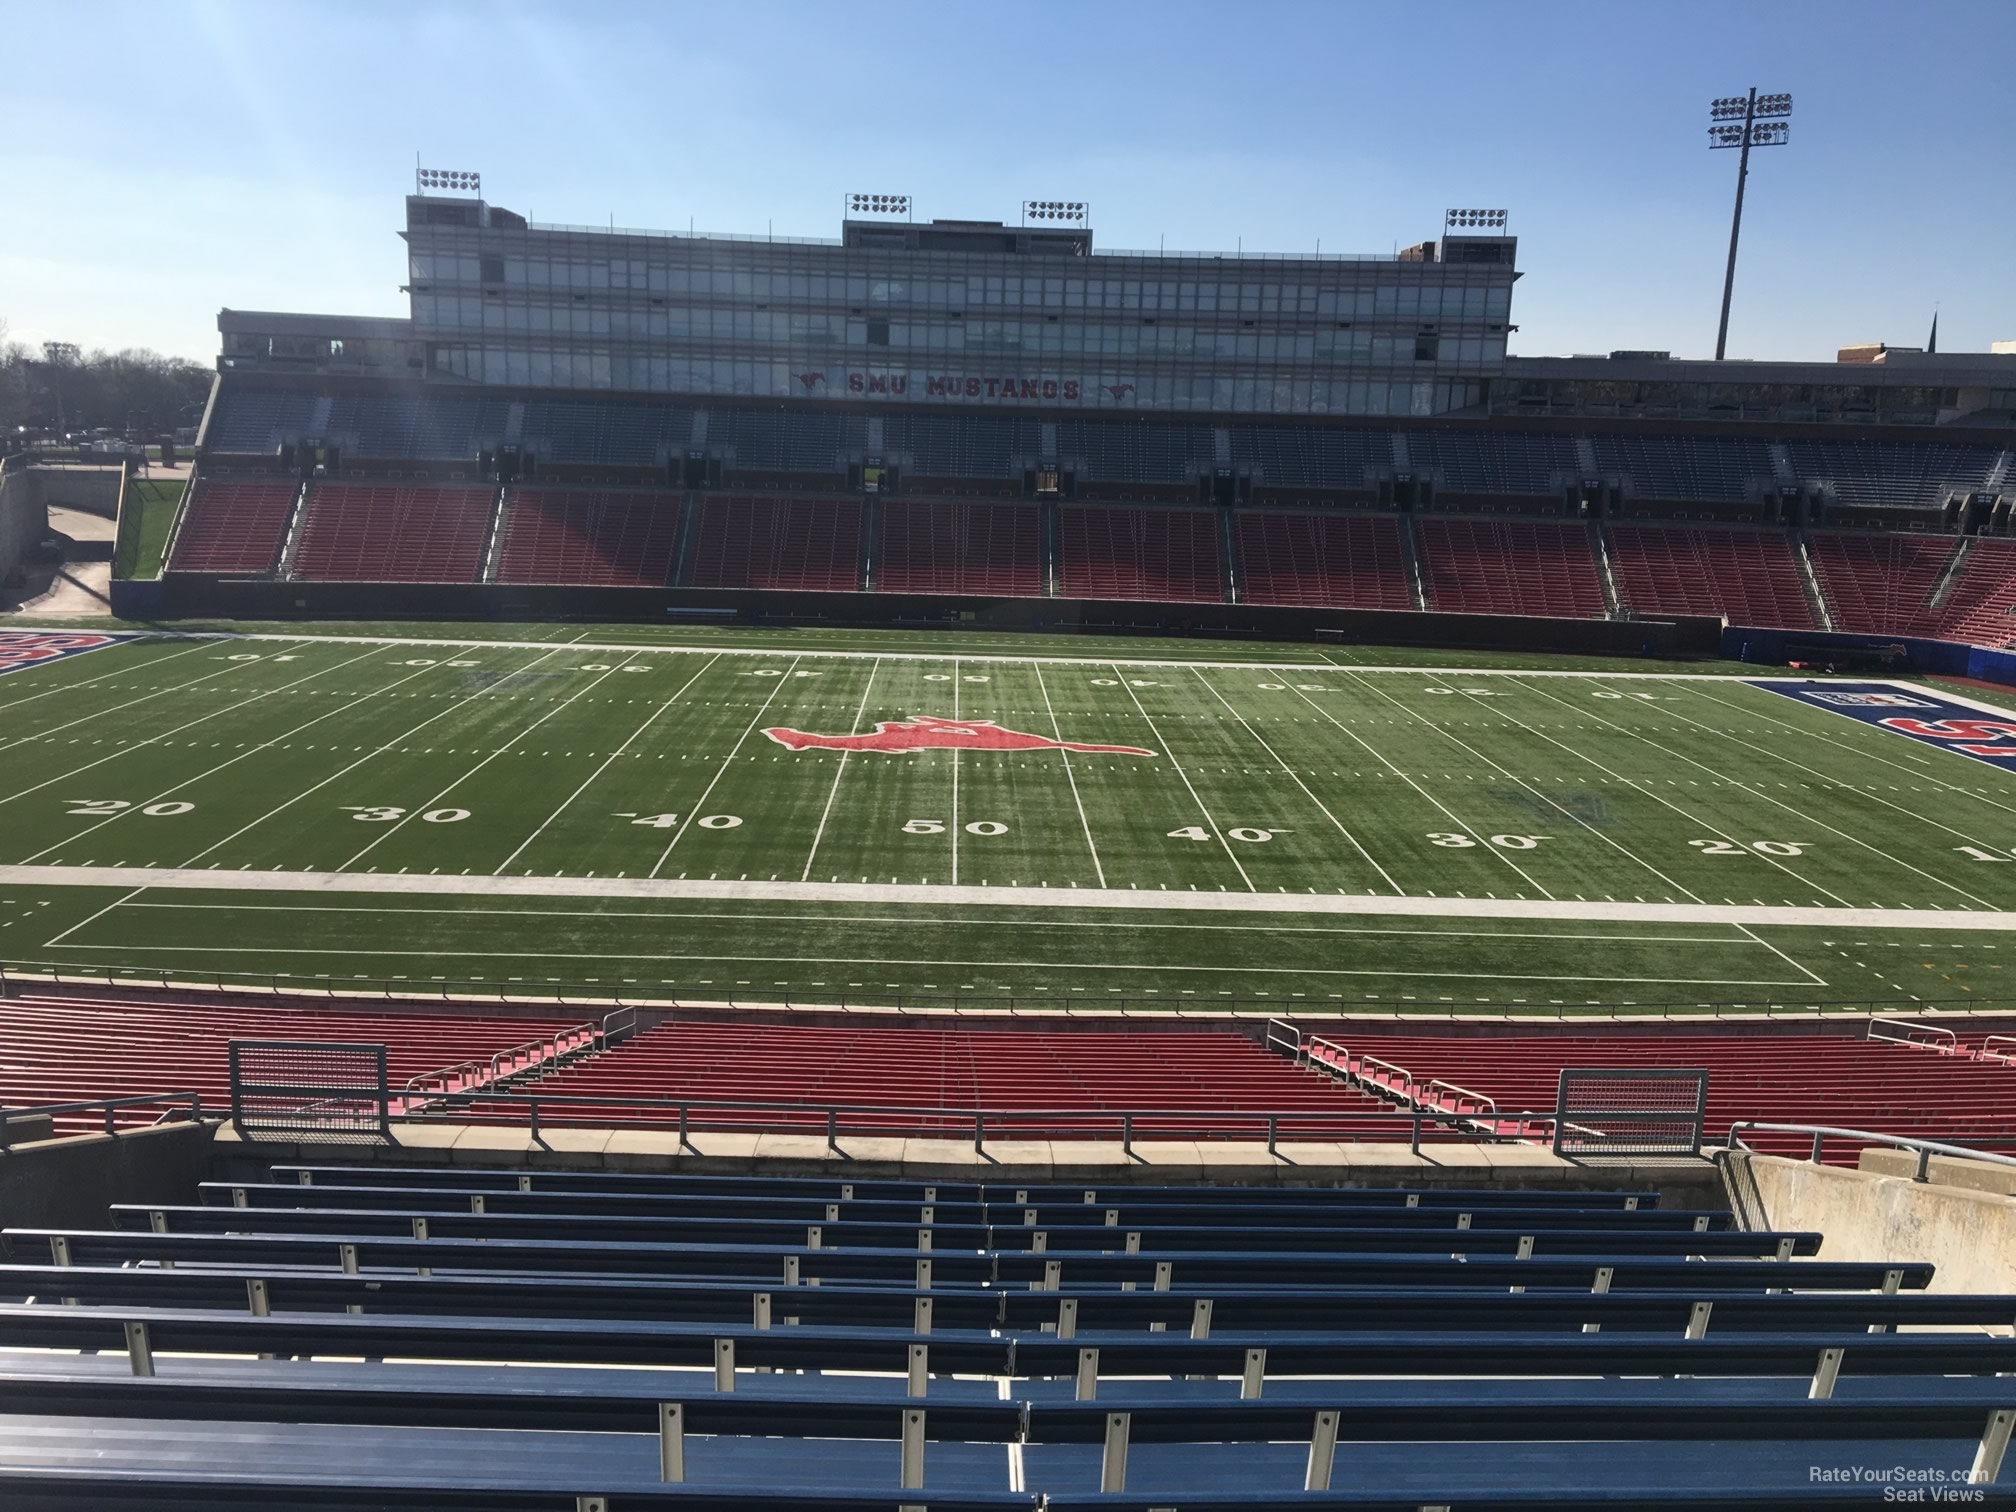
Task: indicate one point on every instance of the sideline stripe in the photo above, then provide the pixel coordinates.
(1973, 921)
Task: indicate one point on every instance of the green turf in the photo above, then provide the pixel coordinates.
(145, 516)
(541, 762)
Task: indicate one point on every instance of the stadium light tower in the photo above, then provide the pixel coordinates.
(1764, 122)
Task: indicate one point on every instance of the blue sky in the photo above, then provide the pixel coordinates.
(173, 158)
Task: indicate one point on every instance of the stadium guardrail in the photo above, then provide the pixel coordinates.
(18, 976)
(1821, 1133)
(110, 1107)
(868, 1120)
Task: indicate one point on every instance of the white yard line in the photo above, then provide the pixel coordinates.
(1072, 778)
(412, 813)
(1292, 777)
(1906, 748)
(1048, 661)
(1813, 977)
(1510, 775)
(70, 687)
(722, 771)
(954, 825)
(138, 745)
(415, 884)
(1779, 756)
(375, 752)
(264, 745)
(1448, 813)
(1177, 766)
(838, 772)
(94, 918)
(1757, 792)
(650, 720)
(143, 698)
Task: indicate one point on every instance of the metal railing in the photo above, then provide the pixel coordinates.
(514, 1060)
(21, 976)
(867, 1120)
(110, 1107)
(1997, 1047)
(1923, 1036)
(1821, 1133)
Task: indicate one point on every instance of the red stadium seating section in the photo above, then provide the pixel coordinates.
(60, 1050)
(1982, 606)
(772, 542)
(622, 540)
(931, 547)
(1880, 583)
(1835, 1080)
(357, 533)
(233, 527)
(992, 1070)
(1749, 575)
(1107, 552)
(1509, 567)
(1326, 560)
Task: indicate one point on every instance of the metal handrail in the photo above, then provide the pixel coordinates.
(1406, 1086)
(1986, 1051)
(469, 1074)
(1942, 1041)
(1285, 1037)
(108, 1106)
(1483, 1102)
(1821, 1133)
(1128, 1122)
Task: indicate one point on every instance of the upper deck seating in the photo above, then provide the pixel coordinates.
(1494, 462)
(1686, 469)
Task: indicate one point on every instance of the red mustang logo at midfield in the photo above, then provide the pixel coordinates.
(920, 732)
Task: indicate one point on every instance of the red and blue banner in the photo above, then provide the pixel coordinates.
(1922, 716)
(30, 648)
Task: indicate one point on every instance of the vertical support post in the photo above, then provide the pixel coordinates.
(724, 1364)
(671, 1442)
(923, 1275)
(1200, 1318)
(1067, 1318)
(1112, 1217)
(1413, 1199)
(1113, 1462)
(920, 1369)
(790, 1270)
(1165, 1274)
(1273, 1134)
(140, 1353)
(1994, 1445)
(1088, 1375)
(1133, 1241)
(1039, 1242)
(524, 1182)
(1322, 1452)
(477, 1205)
(256, 1298)
(1701, 1225)
(1462, 1222)
(420, 1233)
(760, 1307)
(1826, 1371)
(924, 1241)
(1255, 1376)
(1053, 1275)
(59, 1249)
(1784, 1249)
(1697, 1319)
(1604, 1274)
(913, 1449)
(1127, 1135)
(920, 1316)
(1924, 1171)
(814, 1235)
(238, 1199)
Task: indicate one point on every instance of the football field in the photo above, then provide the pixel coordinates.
(668, 817)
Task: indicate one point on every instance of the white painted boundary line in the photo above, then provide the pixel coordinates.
(1973, 921)
(1177, 767)
(71, 687)
(1071, 777)
(727, 761)
(839, 771)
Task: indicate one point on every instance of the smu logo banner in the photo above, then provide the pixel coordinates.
(28, 648)
(921, 732)
(1935, 721)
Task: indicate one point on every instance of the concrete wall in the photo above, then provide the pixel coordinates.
(24, 519)
(73, 1182)
(1969, 1235)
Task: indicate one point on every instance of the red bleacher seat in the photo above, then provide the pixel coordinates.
(1327, 560)
(1834, 1080)
(1880, 583)
(763, 541)
(1110, 552)
(233, 527)
(1981, 609)
(601, 539)
(64, 1049)
(1751, 576)
(942, 546)
(1510, 567)
(1204, 1072)
(361, 533)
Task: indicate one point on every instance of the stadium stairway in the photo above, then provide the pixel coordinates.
(403, 1338)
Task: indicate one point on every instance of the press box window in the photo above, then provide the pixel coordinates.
(493, 269)
(878, 333)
